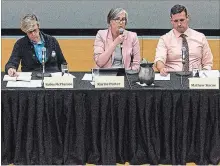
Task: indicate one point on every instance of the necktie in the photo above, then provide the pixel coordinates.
(185, 44)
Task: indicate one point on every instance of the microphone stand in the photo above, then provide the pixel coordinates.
(43, 64)
(124, 68)
(43, 74)
(131, 71)
(183, 73)
(121, 30)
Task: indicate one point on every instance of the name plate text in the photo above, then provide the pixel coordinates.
(58, 82)
(204, 83)
(109, 82)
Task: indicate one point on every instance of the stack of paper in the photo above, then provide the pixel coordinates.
(25, 84)
(22, 76)
(59, 74)
(87, 76)
(159, 77)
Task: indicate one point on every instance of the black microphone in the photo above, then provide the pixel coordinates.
(183, 55)
(131, 63)
(121, 31)
(183, 73)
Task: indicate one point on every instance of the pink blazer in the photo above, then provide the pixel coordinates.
(130, 47)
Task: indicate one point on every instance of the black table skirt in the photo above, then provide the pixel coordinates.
(110, 126)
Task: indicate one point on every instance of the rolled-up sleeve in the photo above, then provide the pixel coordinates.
(207, 57)
(161, 51)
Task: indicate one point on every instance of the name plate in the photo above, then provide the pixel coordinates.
(109, 82)
(204, 83)
(58, 82)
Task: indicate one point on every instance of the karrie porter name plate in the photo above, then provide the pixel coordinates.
(109, 82)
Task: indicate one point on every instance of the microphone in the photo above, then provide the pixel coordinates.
(131, 63)
(43, 58)
(183, 55)
(43, 74)
(183, 73)
(121, 30)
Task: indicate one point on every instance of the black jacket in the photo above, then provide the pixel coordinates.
(24, 52)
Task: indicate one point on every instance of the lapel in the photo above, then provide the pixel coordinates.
(33, 56)
(45, 40)
(109, 41)
(124, 46)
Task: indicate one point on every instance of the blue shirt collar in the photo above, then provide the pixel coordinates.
(42, 41)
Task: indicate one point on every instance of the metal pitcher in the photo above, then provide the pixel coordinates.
(146, 73)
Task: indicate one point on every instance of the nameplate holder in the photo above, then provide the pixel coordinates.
(109, 82)
(203, 83)
(58, 82)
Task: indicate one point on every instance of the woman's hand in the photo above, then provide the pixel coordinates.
(119, 39)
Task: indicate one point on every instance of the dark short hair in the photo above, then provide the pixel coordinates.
(178, 9)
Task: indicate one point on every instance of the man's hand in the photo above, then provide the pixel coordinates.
(163, 72)
(12, 72)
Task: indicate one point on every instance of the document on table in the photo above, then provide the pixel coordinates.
(24, 73)
(144, 84)
(22, 76)
(159, 77)
(25, 84)
(87, 77)
(209, 73)
(60, 74)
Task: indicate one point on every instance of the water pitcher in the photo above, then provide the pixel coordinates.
(146, 73)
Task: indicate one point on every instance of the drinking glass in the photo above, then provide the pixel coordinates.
(195, 71)
(64, 69)
(95, 73)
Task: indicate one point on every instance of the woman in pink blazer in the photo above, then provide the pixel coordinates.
(116, 47)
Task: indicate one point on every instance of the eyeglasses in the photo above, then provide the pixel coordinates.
(118, 20)
(34, 30)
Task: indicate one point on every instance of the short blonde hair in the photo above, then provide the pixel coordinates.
(28, 22)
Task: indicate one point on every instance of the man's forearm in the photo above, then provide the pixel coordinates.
(160, 65)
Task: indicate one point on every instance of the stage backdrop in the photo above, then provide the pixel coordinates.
(143, 14)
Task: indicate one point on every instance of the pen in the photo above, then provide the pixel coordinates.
(205, 74)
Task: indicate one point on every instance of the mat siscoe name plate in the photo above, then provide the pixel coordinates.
(204, 83)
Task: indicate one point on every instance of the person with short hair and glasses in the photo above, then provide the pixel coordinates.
(116, 47)
(170, 46)
(28, 50)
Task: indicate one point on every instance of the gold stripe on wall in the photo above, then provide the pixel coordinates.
(79, 52)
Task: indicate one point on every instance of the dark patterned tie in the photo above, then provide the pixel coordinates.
(185, 44)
